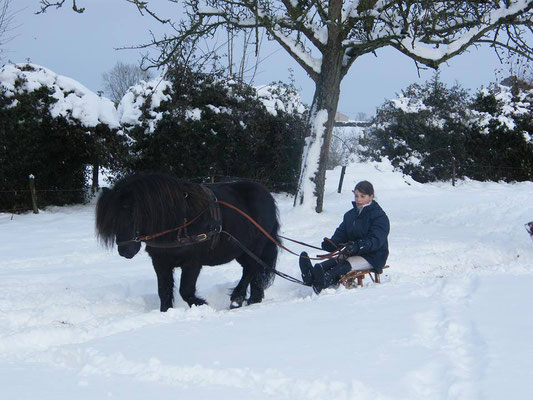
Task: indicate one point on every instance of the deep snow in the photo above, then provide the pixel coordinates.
(451, 319)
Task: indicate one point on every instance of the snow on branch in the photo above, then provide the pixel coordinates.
(210, 11)
(288, 22)
(452, 38)
(433, 32)
(296, 49)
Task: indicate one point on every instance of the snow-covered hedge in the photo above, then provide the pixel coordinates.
(70, 99)
(201, 126)
(148, 97)
(500, 108)
(421, 131)
(190, 124)
(433, 132)
(51, 127)
(502, 129)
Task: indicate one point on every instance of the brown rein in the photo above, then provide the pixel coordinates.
(333, 254)
(145, 238)
(155, 235)
(215, 231)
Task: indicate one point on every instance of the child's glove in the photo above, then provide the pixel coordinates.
(328, 245)
(351, 249)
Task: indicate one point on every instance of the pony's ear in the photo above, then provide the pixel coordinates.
(185, 195)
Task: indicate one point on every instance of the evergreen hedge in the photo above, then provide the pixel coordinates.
(209, 127)
(56, 150)
(432, 132)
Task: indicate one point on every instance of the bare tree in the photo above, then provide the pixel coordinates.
(521, 70)
(325, 37)
(6, 24)
(246, 69)
(121, 77)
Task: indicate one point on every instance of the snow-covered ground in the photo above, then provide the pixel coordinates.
(451, 320)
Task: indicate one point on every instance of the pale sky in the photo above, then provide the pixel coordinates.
(82, 47)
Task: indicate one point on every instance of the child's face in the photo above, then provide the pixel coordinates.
(362, 199)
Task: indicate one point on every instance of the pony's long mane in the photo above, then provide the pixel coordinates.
(155, 202)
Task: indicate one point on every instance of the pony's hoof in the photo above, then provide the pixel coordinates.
(236, 303)
(254, 300)
(196, 301)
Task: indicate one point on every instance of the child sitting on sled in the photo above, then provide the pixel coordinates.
(362, 236)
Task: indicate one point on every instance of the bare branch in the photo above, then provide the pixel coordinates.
(46, 4)
(7, 19)
(142, 6)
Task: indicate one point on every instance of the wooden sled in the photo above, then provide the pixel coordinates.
(355, 278)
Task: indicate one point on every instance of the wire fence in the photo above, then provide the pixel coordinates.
(275, 186)
(22, 200)
(25, 199)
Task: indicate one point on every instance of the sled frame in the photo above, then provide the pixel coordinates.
(355, 278)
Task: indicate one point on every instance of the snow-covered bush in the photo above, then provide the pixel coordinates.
(503, 131)
(203, 126)
(51, 127)
(423, 131)
(432, 132)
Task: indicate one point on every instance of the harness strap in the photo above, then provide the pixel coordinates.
(155, 235)
(212, 233)
(216, 217)
(184, 241)
(299, 242)
(269, 236)
(261, 262)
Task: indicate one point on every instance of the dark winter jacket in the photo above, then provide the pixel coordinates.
(369, 230)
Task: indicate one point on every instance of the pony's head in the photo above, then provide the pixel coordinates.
(115, 222)
(144, 204)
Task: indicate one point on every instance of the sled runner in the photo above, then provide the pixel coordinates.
(355, 277)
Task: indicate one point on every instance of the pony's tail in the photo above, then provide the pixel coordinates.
(270, 257)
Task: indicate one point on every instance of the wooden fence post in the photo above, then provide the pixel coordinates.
(343, 170)
(453, 171)
(453, 165)
(33, 194)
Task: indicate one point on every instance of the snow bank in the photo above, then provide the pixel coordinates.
(77, 321)
(450, 320)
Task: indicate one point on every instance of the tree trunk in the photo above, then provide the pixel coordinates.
(321, 119)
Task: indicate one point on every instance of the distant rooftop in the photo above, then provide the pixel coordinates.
(340, 117)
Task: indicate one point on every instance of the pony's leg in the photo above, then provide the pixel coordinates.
(165, 282)
(239, 292)
(262, 278)
(257, 293)
(189, 276)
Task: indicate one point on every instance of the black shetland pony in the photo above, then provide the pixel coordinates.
(201, 231)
